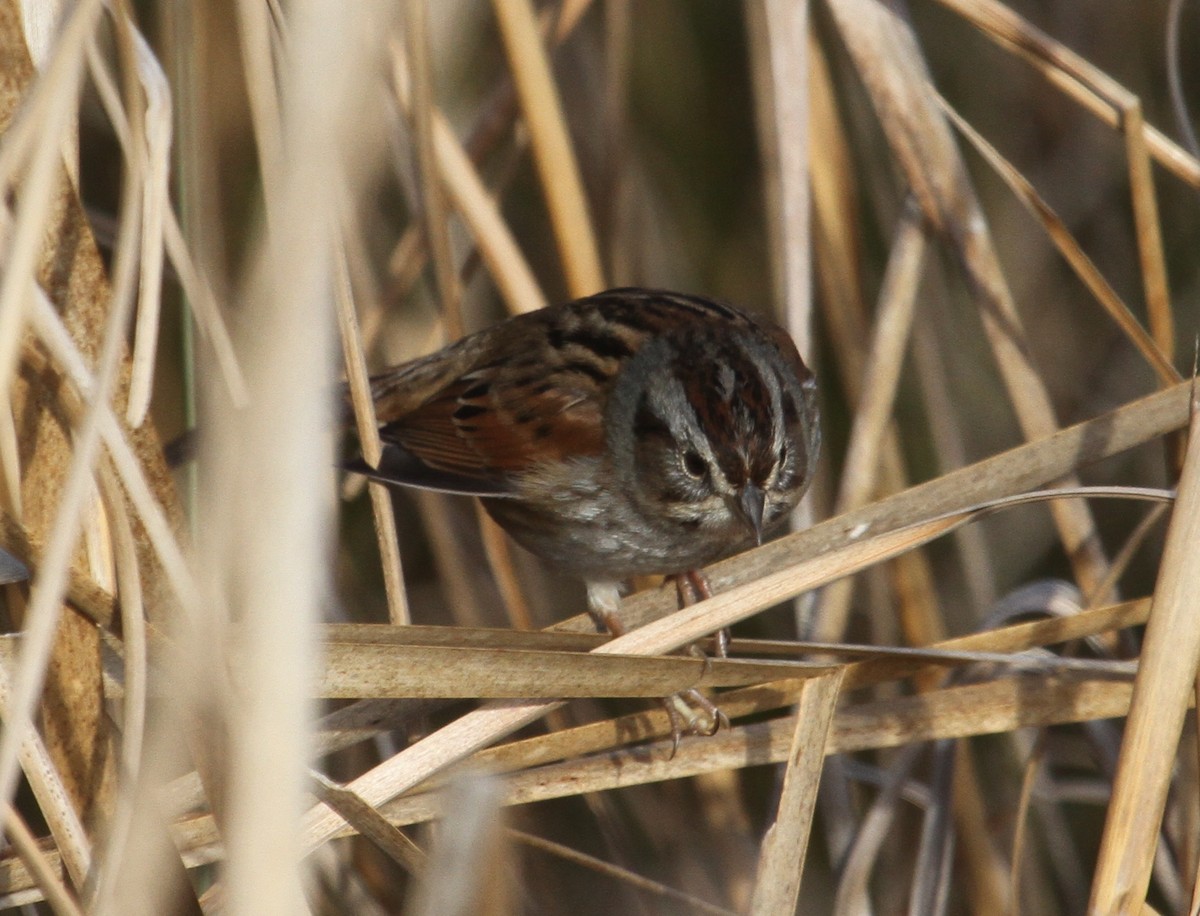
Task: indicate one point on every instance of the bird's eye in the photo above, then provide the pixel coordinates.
(694, 465)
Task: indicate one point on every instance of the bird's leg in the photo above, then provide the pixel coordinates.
(604, 604)
(693, 587)
(690, 711)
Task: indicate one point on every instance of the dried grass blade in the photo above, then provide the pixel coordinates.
(1148, 229)
(777, 881)
(1091, 87)
(433, 204)
(368, 436)
(1084, 267)
(52, 796)
(41, 869)
(1002, 706)
(357, 670)
(36, 138)
(492, 722)
(956, 712)
(889, 342)
(778, 32)
(1163, 690)
(562, 185)
(53, 335)
(370, 823)
(155, 202)
(499, 250)
(46, 602)
(204, 307)
(886, 52)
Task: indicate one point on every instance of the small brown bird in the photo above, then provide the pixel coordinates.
(634, 431)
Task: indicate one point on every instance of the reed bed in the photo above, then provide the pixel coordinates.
(232, 681)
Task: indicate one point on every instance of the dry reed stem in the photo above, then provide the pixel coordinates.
(363, 670)
(78, 715)
(1148, 231)
(144, 479)
(499, 250)
(497, 550)
(370, 823)
(432, 203)
(44, 873)
(464, 874)
(33, 141)
(53, 798)
(1162, 693)
(779, 66)
(1157, 357)
(134, 702)
(959, 712)
(368, 437)
(562, 185)
(204, 307)
(265, 549)
(895, 75)
(496, 116)
(777, 881)
(889, 342)
(1088, 85)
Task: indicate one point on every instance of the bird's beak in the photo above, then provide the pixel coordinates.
(750, 503)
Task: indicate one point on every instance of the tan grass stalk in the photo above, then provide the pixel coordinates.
(497, 247)
(779, 65)
(364, 670)
(54, 800)
(1163, 690)
(496, 548)
(134, 700)
(497, 719)
(267, 525)
(41, 868)
(464, 876)
(777, 881)
(896, 77)
(156, 136)
(1085, 268)
(1148, 231)
(370, 823)
(35, 141)
(433, 205)
(10, 467)
(1088, 85)
(134, 475)
(204, 307)
(562, 185)
(959, 712)
(45, 606)
(368, 437)
(889, 343)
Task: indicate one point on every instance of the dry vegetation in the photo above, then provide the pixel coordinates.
(223, 690)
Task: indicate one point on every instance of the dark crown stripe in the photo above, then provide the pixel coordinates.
(606, 346)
